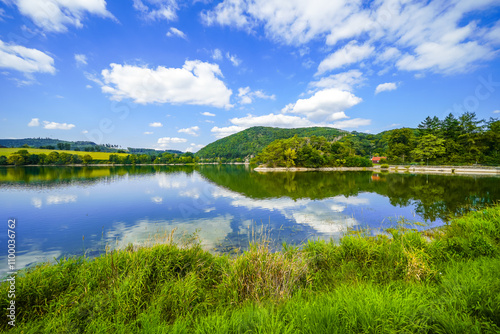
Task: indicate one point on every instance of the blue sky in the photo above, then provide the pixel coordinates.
(168, 74)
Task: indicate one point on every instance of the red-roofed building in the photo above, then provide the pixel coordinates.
(376, 160)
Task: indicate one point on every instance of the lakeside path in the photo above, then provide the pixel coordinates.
(459, 170)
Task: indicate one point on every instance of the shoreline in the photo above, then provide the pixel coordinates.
(453, 170)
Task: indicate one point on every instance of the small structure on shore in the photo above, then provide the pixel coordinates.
(376, 160)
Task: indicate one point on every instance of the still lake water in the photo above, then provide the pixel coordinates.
(65, 211)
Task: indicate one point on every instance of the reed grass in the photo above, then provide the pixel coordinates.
(445, 280)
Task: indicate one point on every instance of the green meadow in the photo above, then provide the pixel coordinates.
(444, 280)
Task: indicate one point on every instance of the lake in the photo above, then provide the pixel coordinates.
(66, 211)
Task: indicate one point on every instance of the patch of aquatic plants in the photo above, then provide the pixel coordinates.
(444, 280)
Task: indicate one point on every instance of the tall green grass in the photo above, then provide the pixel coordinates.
(445, 280)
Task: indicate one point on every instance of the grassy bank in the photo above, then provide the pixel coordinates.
(446, 281)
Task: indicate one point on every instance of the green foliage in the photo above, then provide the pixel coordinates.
(250, 142)
(308, 152)
(406, 282)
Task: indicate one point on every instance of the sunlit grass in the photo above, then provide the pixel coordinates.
(444, 281)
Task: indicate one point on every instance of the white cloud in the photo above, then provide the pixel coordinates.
(157, 9)
(195, 83)
(273, 120)
(206, 113)
(148, 133)
(80, 59)
(176, 32)
(166, 141)
(57, 126)
(278, 120)
(88, 86)
(57, 15)
(352, 123)
(194, 147)
(217, 54)
(343, 81)
(25, 60)
(85, 131)
(246, 95)
(233, 59)
(388, 86)
(349, 54)
(34, 122)
(155, 125)
(325, 105)
(226, 131)
(291, 21)
(190, 131)
(496, 111)
(439, 36)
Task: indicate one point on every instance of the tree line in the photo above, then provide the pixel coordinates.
(23, 157)
(462, 140)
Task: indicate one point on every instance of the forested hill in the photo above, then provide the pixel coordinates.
(251, 141)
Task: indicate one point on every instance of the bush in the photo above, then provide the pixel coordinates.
(384, 166)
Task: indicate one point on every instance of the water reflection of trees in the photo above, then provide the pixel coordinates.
(432, 196)
(53, 176)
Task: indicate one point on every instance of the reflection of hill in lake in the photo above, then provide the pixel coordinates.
(433, 196)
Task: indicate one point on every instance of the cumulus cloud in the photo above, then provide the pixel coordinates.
(176, 32)
(195, 83)
(247, 96)
(388, 86)
(344, 81)
(325, 105)
(22, 59)
(166, 141)
(155, 125)
(148, 133)
(155, 10)
(57, 15)
(81, 59)
(206, 113)
(190, 131)
(272, 120)
(57, 126)
(34, 122)
(496, 111)
(351, 53)
(438, 36)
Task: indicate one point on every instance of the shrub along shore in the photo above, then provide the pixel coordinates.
(445, 280)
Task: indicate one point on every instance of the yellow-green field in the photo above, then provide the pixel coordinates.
(95, 155)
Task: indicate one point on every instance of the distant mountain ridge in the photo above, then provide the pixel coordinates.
(251, 141)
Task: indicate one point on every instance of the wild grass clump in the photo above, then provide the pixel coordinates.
(259, 274)
(445, 280)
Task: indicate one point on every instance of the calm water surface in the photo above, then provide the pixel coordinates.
(65, 211)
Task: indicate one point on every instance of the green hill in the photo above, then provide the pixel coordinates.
(251, 141)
